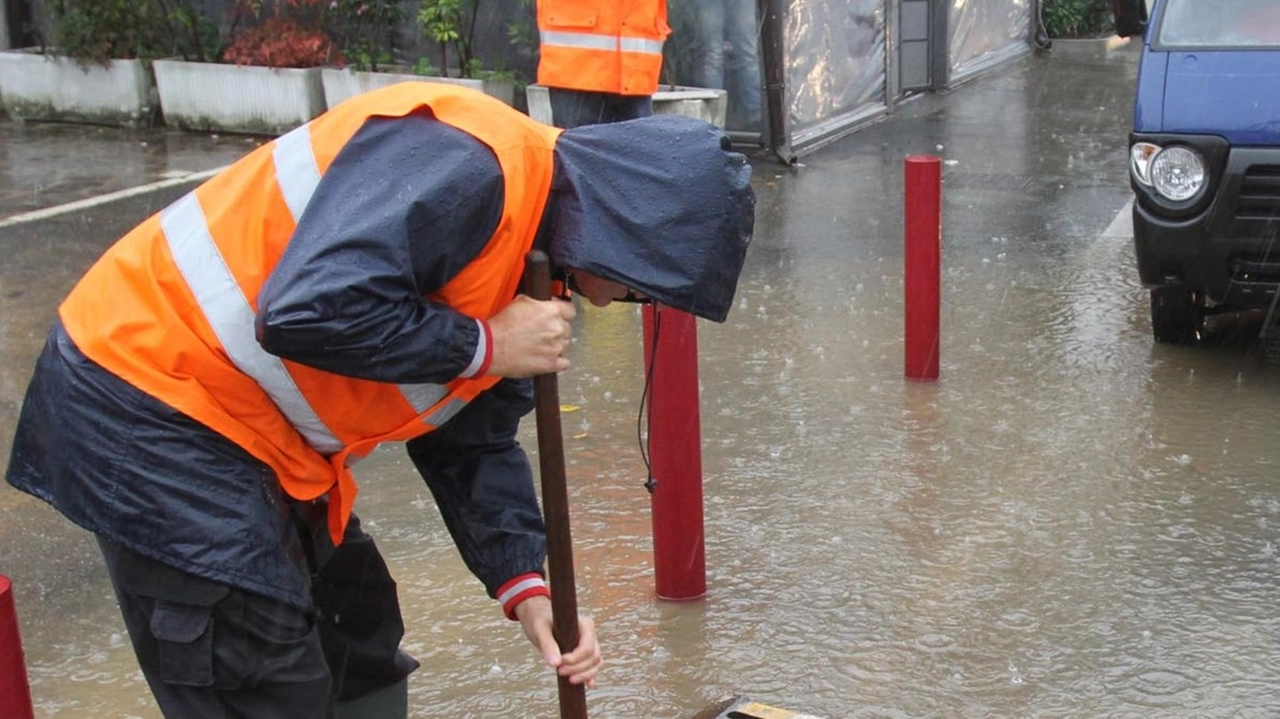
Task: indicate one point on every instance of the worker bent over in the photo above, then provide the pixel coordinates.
(211, 380)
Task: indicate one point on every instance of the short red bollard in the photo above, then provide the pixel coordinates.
(922, 266)
(15, 691)
(675, 442)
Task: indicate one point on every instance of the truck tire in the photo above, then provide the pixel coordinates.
(1177, 315)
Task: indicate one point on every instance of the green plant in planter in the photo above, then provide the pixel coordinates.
(443, 21)
(522, 37)
(1077, 18)
(96, 31)
(364, 29)
(194, 36)
(452, 24)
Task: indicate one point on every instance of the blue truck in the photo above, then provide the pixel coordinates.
(1204, 158)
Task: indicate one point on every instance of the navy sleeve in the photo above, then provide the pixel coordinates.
(483, 485)
(407, 203)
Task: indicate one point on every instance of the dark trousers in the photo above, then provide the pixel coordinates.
(575, 108)
(210, 650)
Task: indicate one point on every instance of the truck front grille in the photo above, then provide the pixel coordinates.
(1259, 193)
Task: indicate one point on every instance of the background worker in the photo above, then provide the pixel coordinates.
(213, 376)
(600, 59)
(726, 56)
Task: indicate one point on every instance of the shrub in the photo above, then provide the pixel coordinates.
(1077, 18)
(365, 27)
(194, 36)
(95, 31)
(449, 24)
(288, 34)
(282, 42)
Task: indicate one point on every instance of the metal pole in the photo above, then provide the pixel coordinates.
(15, 691)
(6, 41)
(675, 441)
(921, 265)
(939, 44)
(773, 56)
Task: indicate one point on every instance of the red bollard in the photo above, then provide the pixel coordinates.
(15, 691)
(675, 444)
(922, 262)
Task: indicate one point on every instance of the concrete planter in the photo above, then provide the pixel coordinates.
(344, 83)
(1088, 48)
(707, 104)
(211, 97)
(35, 86)
(704, 103)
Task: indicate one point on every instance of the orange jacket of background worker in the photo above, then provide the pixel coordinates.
(602, 45)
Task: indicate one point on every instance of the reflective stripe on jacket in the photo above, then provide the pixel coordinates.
(170, 308)
(602, 45)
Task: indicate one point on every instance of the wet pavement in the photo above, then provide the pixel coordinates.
(1073, 521)
(44, 165)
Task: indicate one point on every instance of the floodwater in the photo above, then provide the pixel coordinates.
(1072, 521)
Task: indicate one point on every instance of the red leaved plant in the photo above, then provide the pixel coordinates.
(292, 37)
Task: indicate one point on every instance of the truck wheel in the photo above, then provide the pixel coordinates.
(1177, 315)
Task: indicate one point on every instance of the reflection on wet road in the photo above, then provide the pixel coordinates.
(1071, 522)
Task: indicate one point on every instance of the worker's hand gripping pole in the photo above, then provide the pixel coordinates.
(555, 501)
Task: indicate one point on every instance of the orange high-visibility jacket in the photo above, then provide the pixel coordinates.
(170, 308)
(602, 45)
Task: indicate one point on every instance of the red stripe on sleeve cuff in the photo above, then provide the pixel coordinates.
(519, 589)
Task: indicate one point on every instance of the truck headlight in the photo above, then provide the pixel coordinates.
(1178, 173)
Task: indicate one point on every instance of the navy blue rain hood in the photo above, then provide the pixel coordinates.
(659, 204)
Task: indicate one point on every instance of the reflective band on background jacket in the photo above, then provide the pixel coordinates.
(602, 45)
(170, 308)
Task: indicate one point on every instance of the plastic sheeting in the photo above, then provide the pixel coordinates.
(986, 32)
(837, 69)
(835, 64)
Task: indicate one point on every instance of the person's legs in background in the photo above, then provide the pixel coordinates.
(726, 55)
(574, 108)
(742, 63)
(708, 44)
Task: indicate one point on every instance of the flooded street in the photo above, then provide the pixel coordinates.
(1073, 521)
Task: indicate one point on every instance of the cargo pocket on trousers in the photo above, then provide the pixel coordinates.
(184, 634)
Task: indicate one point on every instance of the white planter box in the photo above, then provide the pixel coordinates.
(344, 83)
(237, 98)
(707, 104)
(51, 87)
(1089, 49)
(539, 101)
